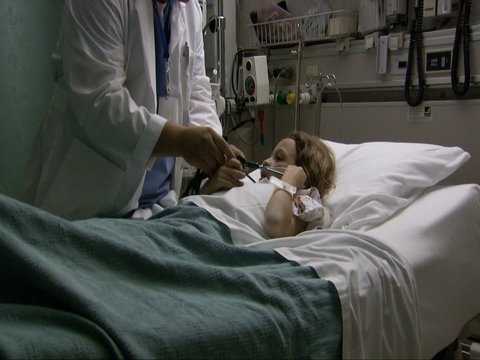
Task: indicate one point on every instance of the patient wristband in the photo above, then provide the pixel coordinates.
(282, 185)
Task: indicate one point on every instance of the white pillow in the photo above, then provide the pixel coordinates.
(377, 179)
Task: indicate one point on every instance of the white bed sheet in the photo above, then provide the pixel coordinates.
(439, 235)
(431, 250)
(376, 288)
(375, 284)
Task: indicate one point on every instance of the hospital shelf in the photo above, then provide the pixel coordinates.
(324, 26)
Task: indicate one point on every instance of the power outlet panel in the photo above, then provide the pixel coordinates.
(398, 64)
(438, 61)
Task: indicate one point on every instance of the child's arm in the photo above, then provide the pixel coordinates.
(279, 218)
(226, 177)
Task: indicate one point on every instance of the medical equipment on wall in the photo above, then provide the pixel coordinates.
(371, 16)
(236, 105)
(439, 7)
(430, 8)
(415, 54)
(434, 8)
(255, 80)
(396, 11)
(341, 23)
(273, 25)
(375, 15)
(328, 82)
(462, 32)
(305, 28)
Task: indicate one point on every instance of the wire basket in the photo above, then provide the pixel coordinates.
(315, 27)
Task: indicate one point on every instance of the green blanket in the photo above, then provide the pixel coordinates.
(170, 287)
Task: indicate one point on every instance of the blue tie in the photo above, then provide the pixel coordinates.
(158, 180)
(162, 42)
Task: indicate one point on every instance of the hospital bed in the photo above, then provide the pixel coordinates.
(394, 277)
(439, 234)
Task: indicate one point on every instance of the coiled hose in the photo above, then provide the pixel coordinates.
(463, 30)
(416, 45)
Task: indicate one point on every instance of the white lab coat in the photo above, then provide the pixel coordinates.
(95, 142)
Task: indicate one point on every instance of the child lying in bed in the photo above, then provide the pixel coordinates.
(309, 170)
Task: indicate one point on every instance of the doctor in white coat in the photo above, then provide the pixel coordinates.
(106, 124)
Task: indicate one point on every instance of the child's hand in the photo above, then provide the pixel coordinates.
(226, 177)
(295, 175)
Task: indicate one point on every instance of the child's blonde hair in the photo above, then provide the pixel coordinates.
(317, 160)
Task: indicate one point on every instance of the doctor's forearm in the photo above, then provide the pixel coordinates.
(169, 142)
(178, 140)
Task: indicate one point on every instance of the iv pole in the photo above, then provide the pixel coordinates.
(221, 46)
(297, 90)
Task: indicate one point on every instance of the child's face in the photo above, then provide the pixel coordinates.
(284, 154)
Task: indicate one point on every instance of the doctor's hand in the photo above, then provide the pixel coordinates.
(200, 146)
(236, 151)
(226, 177)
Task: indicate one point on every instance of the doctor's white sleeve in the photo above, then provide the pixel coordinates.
(94, 63)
